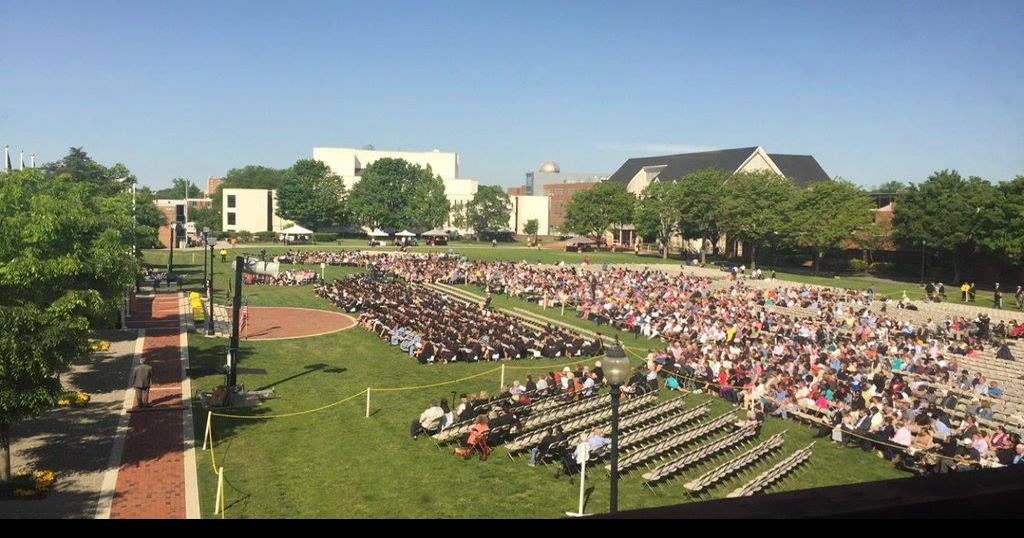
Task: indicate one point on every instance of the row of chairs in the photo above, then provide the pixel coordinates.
(701, 453)
(776, 473)
(669, 445)
(663, 426)
(540, 419)
(657, 420)
(579, 423)
(713, 477)
(458, 429)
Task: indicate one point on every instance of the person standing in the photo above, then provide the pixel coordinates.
(140, 379)
(972, 292)
(223, 255)
(997, 297)
(964, 289)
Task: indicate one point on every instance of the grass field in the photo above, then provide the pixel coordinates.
(336, 463)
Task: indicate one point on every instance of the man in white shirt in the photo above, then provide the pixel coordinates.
(430, 421)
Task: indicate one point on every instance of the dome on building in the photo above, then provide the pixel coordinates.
(550, 167)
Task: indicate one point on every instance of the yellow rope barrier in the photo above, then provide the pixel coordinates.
(396, 389)
(295, 414)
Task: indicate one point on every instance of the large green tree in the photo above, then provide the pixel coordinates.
(489, 209)
(826, 215)
(700, 194)
(657, 212)
(753, 208)
(312, 196)
(944, 214)
(1003, 224)
(595, 210)
(64, 260)
(148, 219)
(394, 193)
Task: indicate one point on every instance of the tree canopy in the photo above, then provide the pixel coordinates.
(827, 214)
(657, 212)
(595, 210)
(489, 210)
(65, 258)
(944, 214)
(753, 208)
(396, 194)
(700, 194)
(312, 196)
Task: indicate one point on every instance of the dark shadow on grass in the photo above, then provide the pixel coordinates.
(310, 368)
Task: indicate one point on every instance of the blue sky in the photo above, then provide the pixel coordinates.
(874, 90)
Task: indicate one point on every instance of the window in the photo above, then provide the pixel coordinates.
(231, 201)
(231, 219)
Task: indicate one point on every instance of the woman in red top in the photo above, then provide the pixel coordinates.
(478, 438)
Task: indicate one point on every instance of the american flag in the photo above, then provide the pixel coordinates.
(245, 315)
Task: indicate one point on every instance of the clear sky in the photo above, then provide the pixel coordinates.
(874, 90)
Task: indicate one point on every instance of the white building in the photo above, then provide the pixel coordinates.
(251, 210)
(527, 208)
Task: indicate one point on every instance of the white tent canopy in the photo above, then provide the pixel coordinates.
(405, 233)
(377, 233)
(436, 232)
(296, 230)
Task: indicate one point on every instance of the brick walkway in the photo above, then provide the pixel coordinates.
(151, 479)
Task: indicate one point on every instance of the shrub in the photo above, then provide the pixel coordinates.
(324, 237)
(858, 265)
(264, 237)
(245, 237)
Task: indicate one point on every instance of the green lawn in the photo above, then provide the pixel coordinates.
(336, 463)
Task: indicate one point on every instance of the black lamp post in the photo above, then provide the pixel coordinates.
(209, 289)
(616, 370)
(206, 240)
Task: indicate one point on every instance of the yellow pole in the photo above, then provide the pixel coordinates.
(367, 402)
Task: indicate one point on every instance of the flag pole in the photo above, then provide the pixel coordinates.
(33, 160)
(21, 161)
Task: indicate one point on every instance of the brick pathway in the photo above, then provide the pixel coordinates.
(151, 479)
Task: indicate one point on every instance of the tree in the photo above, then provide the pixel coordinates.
(1003, 225)
(827, 214)
(64, 261)
(595, 210)
(700, 194)
(531, 227)
(658, 212)
(205, 217)
(177, 190)
(944, 214)
(753, 208)
(394, 193)
(312, 195)
(489, 209)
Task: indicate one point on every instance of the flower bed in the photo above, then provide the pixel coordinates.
(73, 399)
(34, 485)
(99, 345)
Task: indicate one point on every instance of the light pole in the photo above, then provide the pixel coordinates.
(209, 289)
(616, 370)
(206, 240)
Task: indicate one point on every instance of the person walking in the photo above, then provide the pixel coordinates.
(140, 379)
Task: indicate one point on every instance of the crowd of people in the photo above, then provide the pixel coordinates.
(283, 278)
(434, 327)
(872, 376)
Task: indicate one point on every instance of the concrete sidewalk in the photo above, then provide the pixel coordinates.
(75, 443)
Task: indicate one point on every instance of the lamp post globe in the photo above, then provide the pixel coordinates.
(616, 370)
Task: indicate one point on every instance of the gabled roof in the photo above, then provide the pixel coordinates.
(802, 169)
(677, 166)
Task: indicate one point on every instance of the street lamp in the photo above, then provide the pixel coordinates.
(206, 235)
(616, 370)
